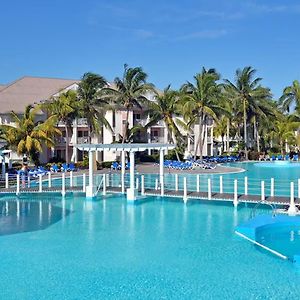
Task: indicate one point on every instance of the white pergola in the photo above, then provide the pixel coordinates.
(3, 155)
(91, 190)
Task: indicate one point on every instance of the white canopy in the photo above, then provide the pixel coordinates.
(124, 147)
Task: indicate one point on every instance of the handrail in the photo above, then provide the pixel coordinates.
(99, 186)
(253, 211)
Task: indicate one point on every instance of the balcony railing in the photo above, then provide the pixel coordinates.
(83, 140)
(158, 139)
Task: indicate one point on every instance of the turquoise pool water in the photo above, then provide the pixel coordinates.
(160, 248)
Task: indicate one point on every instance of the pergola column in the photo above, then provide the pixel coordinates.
(3, 167)
(161, 166)
(90, 189)
(123, 171)
(131, 192)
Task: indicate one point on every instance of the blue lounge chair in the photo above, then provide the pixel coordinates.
(64, 167)
(295, 157)
(279, 157)
(115, 166)
(72, 167)
(287, 157)
(54, 168)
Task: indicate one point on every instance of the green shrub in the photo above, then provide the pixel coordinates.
(105, 164)
(253, 155)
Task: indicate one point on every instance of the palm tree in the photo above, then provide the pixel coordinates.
(129, 93)
(165, 108)
(27, 137)
(246, 91)
(93, 107)
(221, 129)
(200, 101)
(66, 108)
(291, 95)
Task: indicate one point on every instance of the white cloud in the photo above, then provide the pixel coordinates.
(203, 34)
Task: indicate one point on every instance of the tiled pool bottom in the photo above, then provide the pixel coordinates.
(155, 250)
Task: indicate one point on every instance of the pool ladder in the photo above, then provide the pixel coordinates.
(99, 187)
(253, 211)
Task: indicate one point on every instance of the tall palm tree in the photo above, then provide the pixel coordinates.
(221, 129)
(129, 92)
(291, 95)
(246, 91)
(200, 101)
(27, 136)
(165, 108)
(93, 107)
(66, 108)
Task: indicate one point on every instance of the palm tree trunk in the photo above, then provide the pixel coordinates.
(223, 144)
(245, 130)
(171, 140)
(126, 127)
(228, 125)
(67, 143)
(200, 141)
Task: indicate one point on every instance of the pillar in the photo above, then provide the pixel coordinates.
(246, 185)
(272, 187)
(18, 184)
(235, 193)
(292, 211)
(142, 185)
(161, 165)
(40, 183)
(176, 182)
(123, 171)
(63, 184)
(184, 189)
(221, 184)
(131, 193)
(49, 180)
(198, 183)
(3, 167)
(6, 181)
(263, 191)
(209, 188)
(90, 189)
(83, 182)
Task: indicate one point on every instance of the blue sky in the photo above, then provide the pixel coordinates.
(170, 39)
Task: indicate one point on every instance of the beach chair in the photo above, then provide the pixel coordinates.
(279, 157)
(295, 157)
(72, 167)
(287, 157)
(115, 166)
(54, 168)
(64, 167)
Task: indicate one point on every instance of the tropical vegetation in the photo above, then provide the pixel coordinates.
(244, 113)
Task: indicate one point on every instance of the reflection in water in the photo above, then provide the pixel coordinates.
(31, 217)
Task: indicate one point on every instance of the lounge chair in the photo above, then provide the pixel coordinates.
(54, 168)
(64, 167)
(72, 167)
(115, 166)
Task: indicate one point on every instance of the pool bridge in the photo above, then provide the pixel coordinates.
(188, 189)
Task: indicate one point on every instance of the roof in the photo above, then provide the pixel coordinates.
(30, 90)
(2, 86)
(124, 147)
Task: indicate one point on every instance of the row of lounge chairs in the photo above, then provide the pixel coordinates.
(118, 166)
(187, 165)
(64, 168)
(287, 157)
(221, 159)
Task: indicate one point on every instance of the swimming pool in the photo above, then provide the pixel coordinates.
(159, 248)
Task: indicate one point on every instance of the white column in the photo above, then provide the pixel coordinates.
(198, 183)
(209, 188)
(142, 185)
(162, 187)
(6, 181)
(235, 196)
(246, 185)
(104, 184)
(292, 209)
(149, 135)
(161, 165)
(18, 184)
(83, 182)
(90, 189)
(28, 180)
(40, 183)
(263, 191)
(123, 171)
(272, 187)
(137, 183)
(184, 189)
(49, 180)
(131, 191)
(75, 135)
(221, 184)
(63, 184)
(176, 182)
(3, 167)
(71, 178)
(156, 184)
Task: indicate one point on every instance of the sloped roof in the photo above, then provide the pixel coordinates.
(2, 86)
(29, 90)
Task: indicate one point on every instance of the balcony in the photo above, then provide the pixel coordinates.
(158, 139)
(83, 140)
